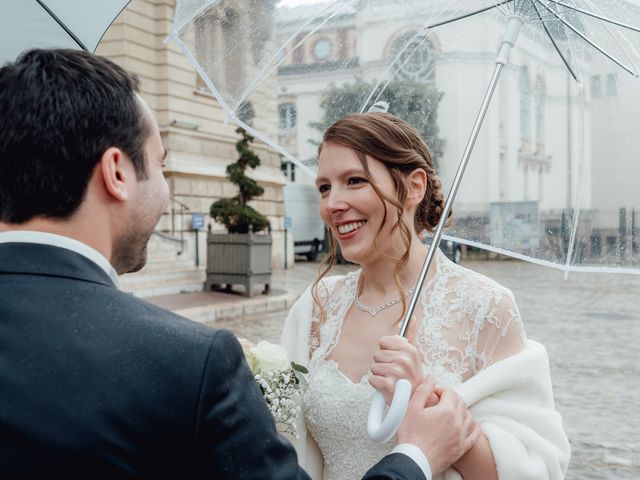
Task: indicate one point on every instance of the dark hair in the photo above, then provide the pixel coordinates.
(60, 110)
(401, 150)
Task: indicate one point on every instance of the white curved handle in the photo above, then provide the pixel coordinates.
(382, 431)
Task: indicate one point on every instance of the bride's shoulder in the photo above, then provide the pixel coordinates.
(473, 284)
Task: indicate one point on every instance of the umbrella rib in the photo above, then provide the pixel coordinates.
(586, 39)
(595, 15)
(445, 22)
(615, 37)
(555, 45)
(470, 14)
(531, 5)
(62, 25)
(546, 16)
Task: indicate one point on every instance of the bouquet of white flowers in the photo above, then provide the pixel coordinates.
(279, 381)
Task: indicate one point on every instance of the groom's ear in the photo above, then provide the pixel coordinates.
(115, 172)
(416, 186)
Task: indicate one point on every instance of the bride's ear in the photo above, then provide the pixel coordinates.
(416, 186)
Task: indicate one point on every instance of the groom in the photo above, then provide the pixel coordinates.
(95, 382)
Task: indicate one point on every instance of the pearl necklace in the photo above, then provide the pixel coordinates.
(373, 311)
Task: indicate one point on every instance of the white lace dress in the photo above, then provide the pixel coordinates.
(467, 321)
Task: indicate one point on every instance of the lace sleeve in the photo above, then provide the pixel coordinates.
(501, 334)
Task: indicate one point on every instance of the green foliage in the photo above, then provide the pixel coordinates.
(416, 103)
(234, 213)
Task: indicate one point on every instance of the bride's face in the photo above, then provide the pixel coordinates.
(349, 205)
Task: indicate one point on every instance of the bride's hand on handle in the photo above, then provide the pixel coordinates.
(444, 432)
(397, 358)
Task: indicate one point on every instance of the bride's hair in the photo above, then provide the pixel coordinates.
(399, 147)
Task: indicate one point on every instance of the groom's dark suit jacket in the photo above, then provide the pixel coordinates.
(97, 383)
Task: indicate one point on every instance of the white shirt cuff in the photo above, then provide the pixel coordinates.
(415, 454)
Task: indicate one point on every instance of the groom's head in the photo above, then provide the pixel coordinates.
(76, 140)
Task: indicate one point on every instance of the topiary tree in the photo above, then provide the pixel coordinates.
(234, 213)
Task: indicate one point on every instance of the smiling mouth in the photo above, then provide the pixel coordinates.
(350, 227)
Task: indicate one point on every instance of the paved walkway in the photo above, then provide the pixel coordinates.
(215, 306)
(590, 325)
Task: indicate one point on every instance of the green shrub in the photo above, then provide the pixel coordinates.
(234, 213)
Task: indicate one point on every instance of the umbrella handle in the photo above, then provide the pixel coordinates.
(379, 430)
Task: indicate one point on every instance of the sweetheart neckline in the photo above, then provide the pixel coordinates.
(364, 380)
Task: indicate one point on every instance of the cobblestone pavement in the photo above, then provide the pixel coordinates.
(590, 325)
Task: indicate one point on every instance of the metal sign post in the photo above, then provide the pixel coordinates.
(287, 226)
(197, 222)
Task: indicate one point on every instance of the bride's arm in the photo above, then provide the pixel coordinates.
(501, 336)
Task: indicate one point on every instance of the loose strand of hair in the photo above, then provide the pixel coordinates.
(325, 267)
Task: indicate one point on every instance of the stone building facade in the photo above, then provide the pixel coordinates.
(199, 140)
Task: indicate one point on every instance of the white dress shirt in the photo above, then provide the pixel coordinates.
(415, 454)
(29, 236)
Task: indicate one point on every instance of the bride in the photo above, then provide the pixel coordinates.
(378, 190)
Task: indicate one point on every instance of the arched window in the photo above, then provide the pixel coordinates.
(525, 105)
(541, 93)
(415, 62)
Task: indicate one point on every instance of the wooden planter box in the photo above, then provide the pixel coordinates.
(238, 258)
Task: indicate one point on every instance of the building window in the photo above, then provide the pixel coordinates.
(612, 85)
(288, 170)
(246, 113)
(596, 86)
(322, 49)
(612, 243)
(417, 61)
(525, 105)
(288, 116)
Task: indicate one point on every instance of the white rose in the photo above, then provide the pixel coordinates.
(247, 349)
(270, 356)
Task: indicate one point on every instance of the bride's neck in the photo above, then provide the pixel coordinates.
(379, 276)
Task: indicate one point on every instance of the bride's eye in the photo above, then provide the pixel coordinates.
(356, 180)
(323, 188)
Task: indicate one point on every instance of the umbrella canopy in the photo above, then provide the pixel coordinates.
(555, 143)
(552, 173)
(54, 24)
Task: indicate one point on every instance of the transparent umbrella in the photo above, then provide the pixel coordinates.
(539, 98)
(54, 24)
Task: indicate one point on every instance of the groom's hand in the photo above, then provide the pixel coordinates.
(443, 432)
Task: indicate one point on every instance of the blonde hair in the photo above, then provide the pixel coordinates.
(399, 147)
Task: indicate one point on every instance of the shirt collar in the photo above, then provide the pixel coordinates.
(29, 236)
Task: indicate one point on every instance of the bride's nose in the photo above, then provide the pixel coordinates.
(336, 201)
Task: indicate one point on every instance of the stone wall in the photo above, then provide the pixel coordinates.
(199, 142)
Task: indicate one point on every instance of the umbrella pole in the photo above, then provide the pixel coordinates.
(514, 25)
